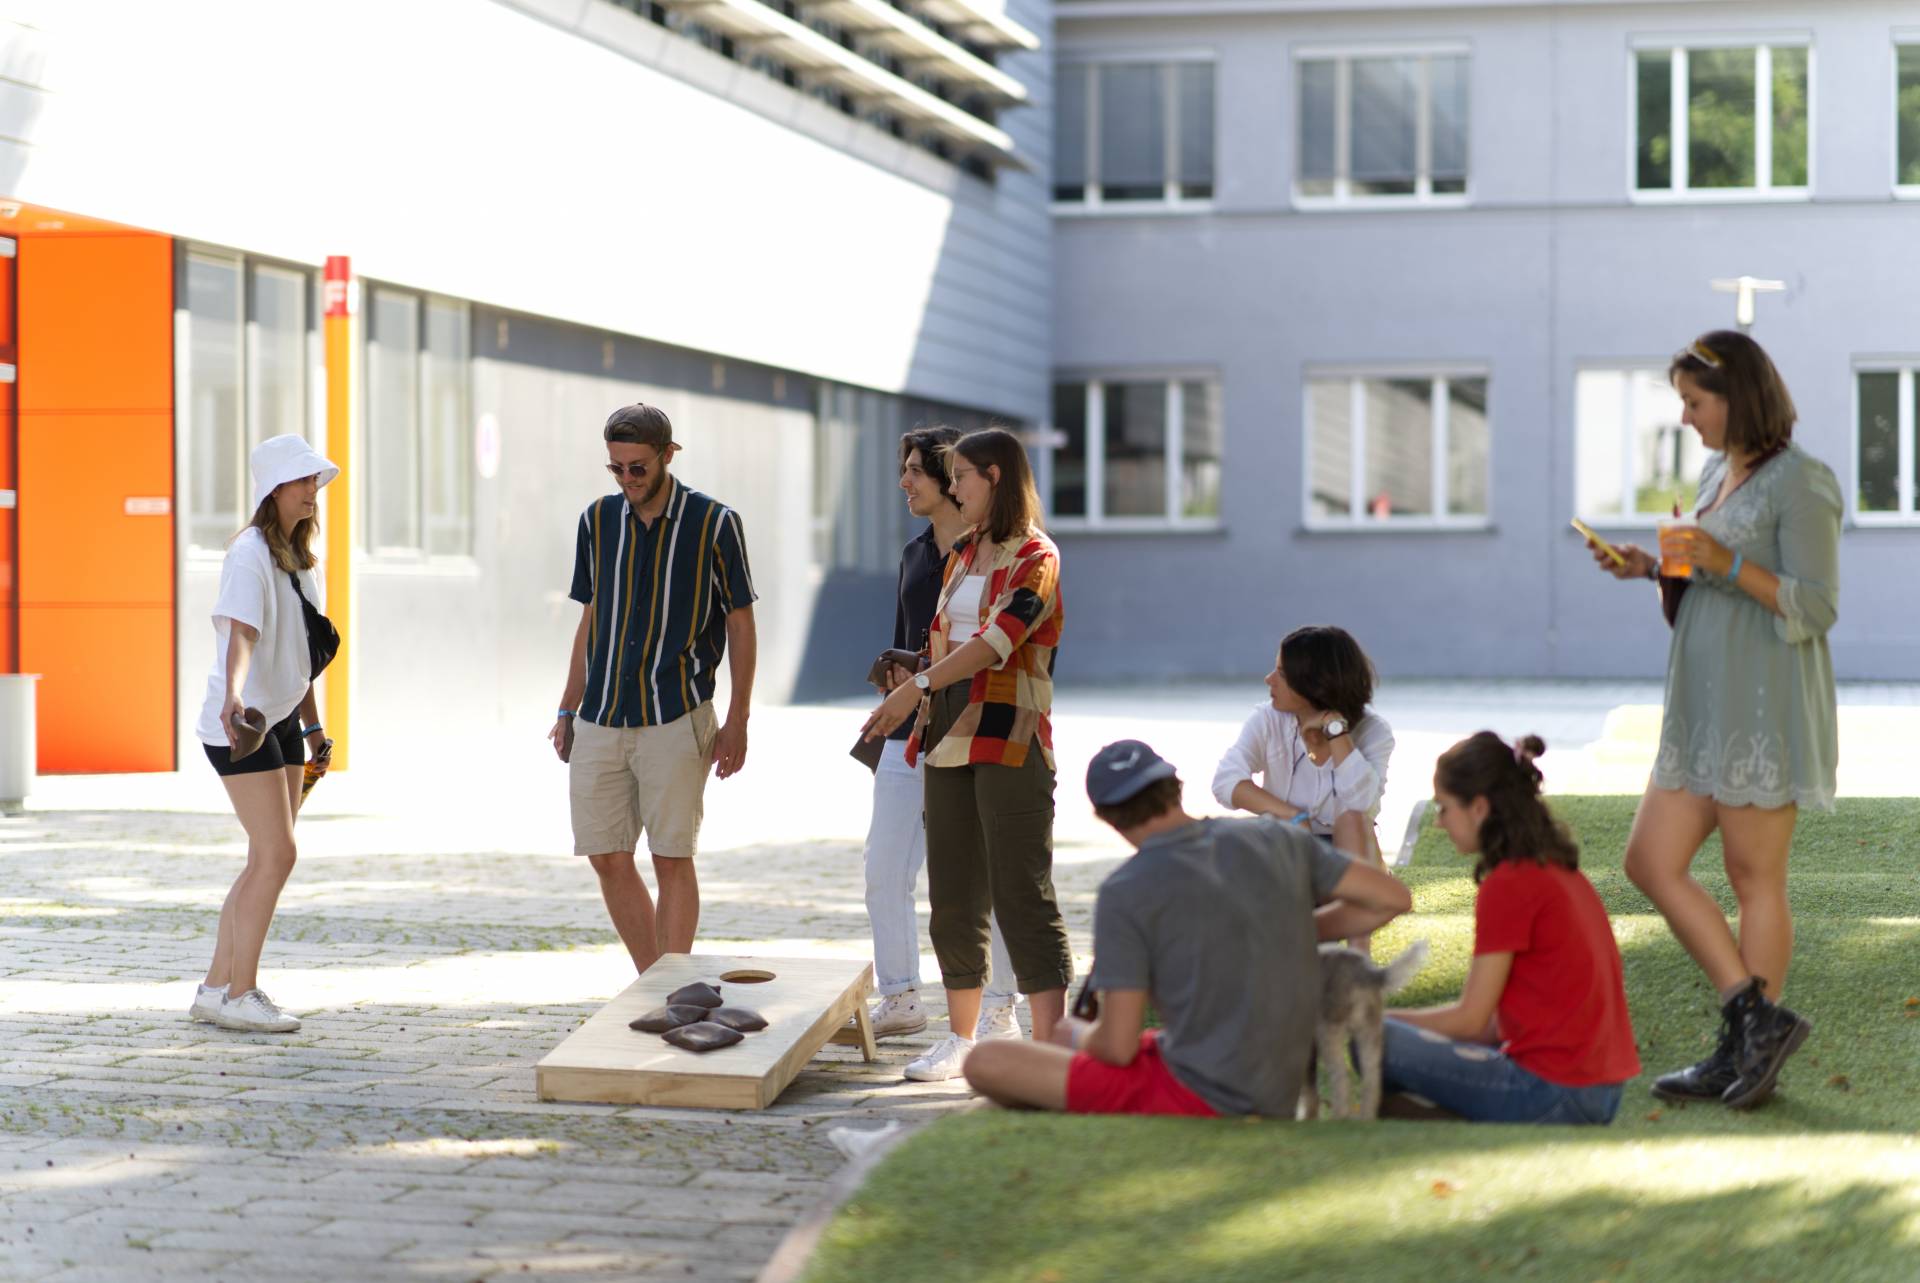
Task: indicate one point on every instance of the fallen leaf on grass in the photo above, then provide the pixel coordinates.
(1911, 1003)
(1654, 1117)
(1841, 1081)
(1445, 1189)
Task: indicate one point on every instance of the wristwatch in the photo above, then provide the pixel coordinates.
(923, 681)
(1333, 728)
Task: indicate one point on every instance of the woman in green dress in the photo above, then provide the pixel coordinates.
(1748, 736)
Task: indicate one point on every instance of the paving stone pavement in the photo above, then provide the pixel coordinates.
(396, 1136)
(439, 940)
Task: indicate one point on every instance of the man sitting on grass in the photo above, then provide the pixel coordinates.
(1217, 922)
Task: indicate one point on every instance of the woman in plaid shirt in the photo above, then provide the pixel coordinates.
(984, 707)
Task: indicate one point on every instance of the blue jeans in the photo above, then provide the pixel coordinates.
(1480, 1084)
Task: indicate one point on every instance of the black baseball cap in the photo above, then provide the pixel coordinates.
(641, 424)
(1122, 769)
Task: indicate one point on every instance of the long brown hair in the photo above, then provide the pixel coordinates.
(1016, 503)
(290, 552)
(1760, 412)
(1518, 825)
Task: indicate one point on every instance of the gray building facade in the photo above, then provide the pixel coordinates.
(1356, 305)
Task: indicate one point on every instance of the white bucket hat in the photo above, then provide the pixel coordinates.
(281, 459)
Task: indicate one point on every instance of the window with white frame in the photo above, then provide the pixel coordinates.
(1387, 126)
(1886, 457)
(1387, 447)
(1129, 451)
(1712, 118)
(419, 459)
(1130, 132)
(245, 378)
(1633, 458)
(1907, 116)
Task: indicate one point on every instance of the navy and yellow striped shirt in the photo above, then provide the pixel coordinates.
(659, 600)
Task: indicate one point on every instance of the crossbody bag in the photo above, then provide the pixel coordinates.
(323, 639)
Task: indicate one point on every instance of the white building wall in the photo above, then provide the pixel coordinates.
(566, 158)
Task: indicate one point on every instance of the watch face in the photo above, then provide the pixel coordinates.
(1335, 728)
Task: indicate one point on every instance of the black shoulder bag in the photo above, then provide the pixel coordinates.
(323, 639)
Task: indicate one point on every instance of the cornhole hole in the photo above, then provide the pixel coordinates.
(807, 1003)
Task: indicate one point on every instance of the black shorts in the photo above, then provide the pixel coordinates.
(282, 748)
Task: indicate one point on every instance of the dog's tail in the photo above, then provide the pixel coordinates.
(1405, 967)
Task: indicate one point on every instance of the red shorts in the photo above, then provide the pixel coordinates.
(1146, 1086)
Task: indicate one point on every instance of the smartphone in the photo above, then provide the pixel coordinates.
(1598, 542)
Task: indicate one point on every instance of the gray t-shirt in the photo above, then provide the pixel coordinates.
(1215, 921)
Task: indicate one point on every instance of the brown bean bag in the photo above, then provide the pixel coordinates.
(703, 1035)
(661, 1019)
(737, 1018)
(695, 995)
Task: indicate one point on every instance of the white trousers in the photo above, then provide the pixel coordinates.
(896, 848)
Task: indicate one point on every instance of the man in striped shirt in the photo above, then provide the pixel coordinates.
(661, 574)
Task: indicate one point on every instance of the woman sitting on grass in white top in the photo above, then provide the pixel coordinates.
(1319, 752)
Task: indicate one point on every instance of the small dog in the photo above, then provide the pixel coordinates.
(1353, 989)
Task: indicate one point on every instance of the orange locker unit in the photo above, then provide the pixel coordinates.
(89, 549)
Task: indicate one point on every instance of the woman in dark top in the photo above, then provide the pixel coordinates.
(896, 835)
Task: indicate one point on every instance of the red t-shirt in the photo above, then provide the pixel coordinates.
(1563, 1014)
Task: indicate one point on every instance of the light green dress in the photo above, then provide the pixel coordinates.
(1750, 717)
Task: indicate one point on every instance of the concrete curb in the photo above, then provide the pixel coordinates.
(790, 1259)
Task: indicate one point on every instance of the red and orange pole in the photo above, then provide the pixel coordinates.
(339, 351)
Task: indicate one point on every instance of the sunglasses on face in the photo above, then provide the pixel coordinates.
(638, 471)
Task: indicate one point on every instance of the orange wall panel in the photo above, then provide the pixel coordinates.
(96, 322)
(96, 575)
(9, 355)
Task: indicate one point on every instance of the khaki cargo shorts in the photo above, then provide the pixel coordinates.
(623, 779)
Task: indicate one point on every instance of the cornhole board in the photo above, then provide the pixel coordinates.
(807, 1003)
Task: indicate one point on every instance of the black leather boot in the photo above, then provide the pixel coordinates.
(1768, 1035)
(1710, 1078)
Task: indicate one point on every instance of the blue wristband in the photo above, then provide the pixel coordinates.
(1733, 571)
(565, 712)
(1301, 819)
(311, 730)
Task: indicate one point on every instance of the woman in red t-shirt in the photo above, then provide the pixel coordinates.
(1540, 1034)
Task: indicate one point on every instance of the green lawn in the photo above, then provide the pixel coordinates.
(1822, 1183)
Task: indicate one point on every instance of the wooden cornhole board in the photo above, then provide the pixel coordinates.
(807, 1004)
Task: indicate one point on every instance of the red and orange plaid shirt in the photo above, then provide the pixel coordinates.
(1009, 703)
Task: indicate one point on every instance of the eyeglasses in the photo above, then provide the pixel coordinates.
(957, 473)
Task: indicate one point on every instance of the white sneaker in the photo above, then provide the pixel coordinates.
(996, 1023)
(942, 1061)
(253, 1012)
(898, 1013)
(206, 1003)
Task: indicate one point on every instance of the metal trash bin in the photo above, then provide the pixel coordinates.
(18, 743)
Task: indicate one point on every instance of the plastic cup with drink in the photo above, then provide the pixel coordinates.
(1675, 561)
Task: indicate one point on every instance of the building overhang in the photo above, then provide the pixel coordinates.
(756, 27)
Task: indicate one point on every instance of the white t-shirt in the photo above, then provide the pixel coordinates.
(963, 609)
(258, 593)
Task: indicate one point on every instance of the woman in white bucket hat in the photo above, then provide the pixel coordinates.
(262, 677)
